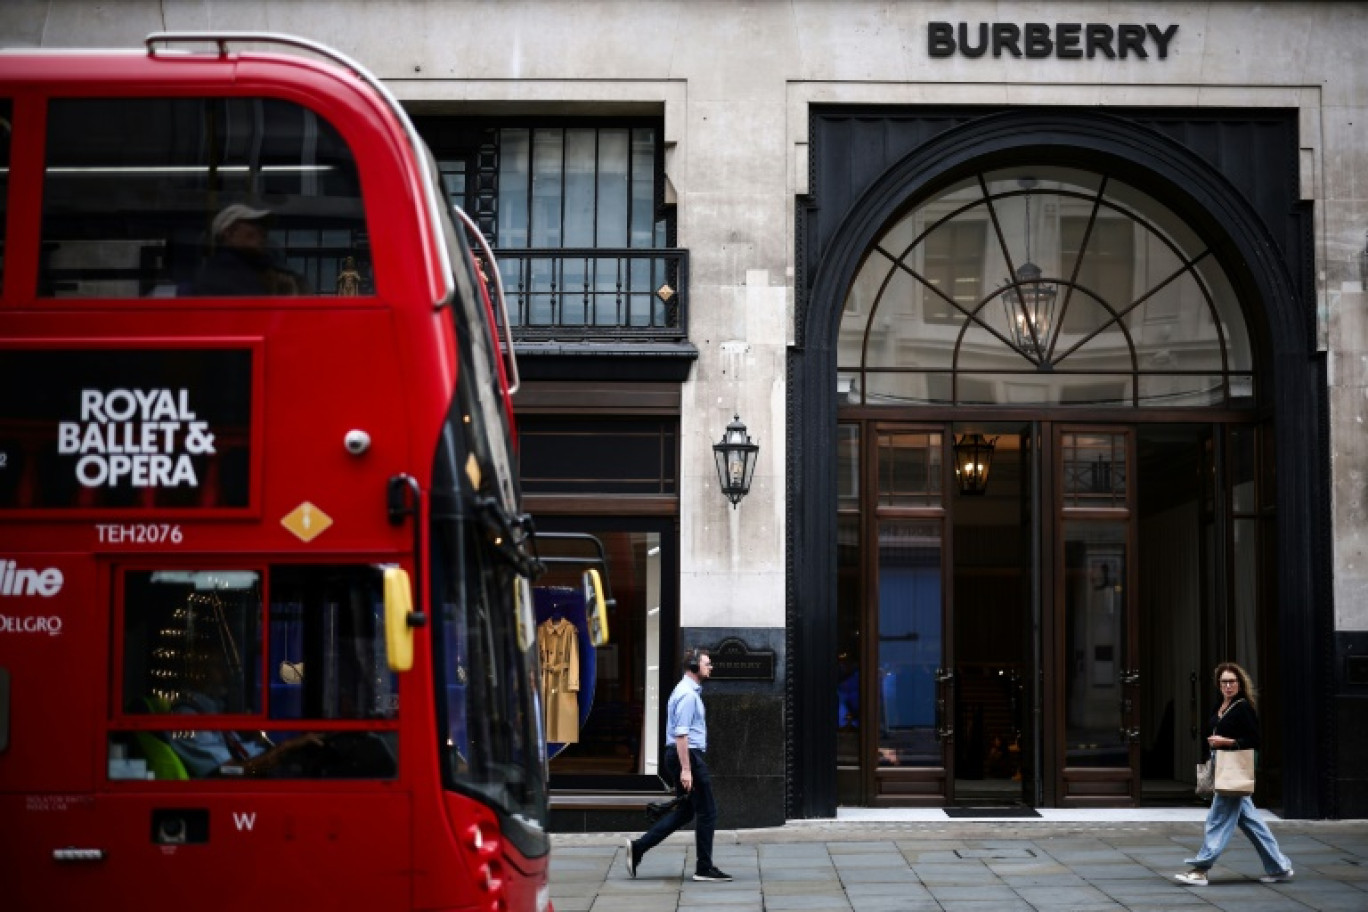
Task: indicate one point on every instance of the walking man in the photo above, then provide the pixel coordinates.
(686, 746)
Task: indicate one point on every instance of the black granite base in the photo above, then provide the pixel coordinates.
(745, 754)
(1351, 747)
(1351, 724)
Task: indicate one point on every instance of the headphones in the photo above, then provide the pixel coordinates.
(692, 658)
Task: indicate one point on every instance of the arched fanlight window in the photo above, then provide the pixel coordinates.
(1043, 285)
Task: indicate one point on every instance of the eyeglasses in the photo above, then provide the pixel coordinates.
(1225, 681)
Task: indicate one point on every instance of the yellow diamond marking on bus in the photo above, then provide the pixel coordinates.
(472, 469)
(306, 521)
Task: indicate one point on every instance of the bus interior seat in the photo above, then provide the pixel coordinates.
(162, 760)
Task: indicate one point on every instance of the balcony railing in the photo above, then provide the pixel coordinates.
(596, 293)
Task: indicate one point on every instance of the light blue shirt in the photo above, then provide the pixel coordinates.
(204, 752)
(684, 715)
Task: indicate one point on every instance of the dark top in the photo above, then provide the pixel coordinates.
(234, 272)
(1240, 722)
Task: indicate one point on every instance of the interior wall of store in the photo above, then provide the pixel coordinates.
(735, 83)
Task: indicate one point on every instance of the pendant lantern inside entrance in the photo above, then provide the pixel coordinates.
(973, 462)
(1030, 307)
(1030, 303)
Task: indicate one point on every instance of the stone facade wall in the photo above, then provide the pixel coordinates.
(734, 82)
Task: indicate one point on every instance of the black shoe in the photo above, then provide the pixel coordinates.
(633, 857)
(712, 875)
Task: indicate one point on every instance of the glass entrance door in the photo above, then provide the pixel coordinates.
(1095, 663)
(994, 609)
(909, 740)
(1045, 639)
(988, 640)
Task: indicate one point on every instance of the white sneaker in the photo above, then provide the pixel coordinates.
(1284, 877)
(1192, 878)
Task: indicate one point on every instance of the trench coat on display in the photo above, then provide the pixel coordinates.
(558, 648)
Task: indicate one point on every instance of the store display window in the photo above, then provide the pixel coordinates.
(602, 704)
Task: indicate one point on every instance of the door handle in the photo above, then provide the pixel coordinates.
(945, 676)
(1130, 735)
(943, 732)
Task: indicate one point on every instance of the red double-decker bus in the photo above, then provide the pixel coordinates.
(265, 632)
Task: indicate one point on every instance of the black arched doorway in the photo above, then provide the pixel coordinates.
(944, 242)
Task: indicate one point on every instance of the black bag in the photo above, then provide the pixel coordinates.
(657, 809)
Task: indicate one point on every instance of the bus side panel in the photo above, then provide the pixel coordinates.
(49, 628)
(257, 850)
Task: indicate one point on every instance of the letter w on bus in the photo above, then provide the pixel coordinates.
(244, 820)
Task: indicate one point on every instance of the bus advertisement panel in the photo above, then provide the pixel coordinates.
(125, 428)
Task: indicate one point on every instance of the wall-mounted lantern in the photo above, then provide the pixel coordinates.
(735, 455)
(973, 461)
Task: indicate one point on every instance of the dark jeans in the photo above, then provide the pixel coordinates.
(700, 802)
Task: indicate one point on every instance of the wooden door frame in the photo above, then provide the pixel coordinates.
(1046, 711)
(1089, 786)
(925, 786)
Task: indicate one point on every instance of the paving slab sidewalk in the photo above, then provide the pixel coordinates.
(963, 866)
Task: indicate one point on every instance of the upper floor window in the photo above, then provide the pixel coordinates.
(167, 197)
(575, 209)
(1043, 285)
(578, 187)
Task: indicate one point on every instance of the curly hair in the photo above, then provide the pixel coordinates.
(1247, 688)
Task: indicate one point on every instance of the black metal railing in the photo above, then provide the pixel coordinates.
(601, 293)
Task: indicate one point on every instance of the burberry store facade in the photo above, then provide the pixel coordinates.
(1048, 321)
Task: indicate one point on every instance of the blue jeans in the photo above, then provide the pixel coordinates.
(1228, 812)
(700, 802)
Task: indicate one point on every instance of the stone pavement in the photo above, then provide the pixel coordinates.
(964, 866)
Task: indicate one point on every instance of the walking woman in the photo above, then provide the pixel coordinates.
(1235, 726)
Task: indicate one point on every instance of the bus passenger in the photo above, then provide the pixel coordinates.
(224, 753)
(241, 265)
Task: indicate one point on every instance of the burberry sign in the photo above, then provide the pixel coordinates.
(733, 660)
(1065, 40)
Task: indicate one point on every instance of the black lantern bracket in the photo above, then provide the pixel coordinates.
(735, 455)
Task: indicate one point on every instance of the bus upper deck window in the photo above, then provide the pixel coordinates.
(199, 197)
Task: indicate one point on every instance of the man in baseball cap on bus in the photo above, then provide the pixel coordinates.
(240, 264)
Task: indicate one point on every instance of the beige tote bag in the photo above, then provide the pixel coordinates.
(1234, 772)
